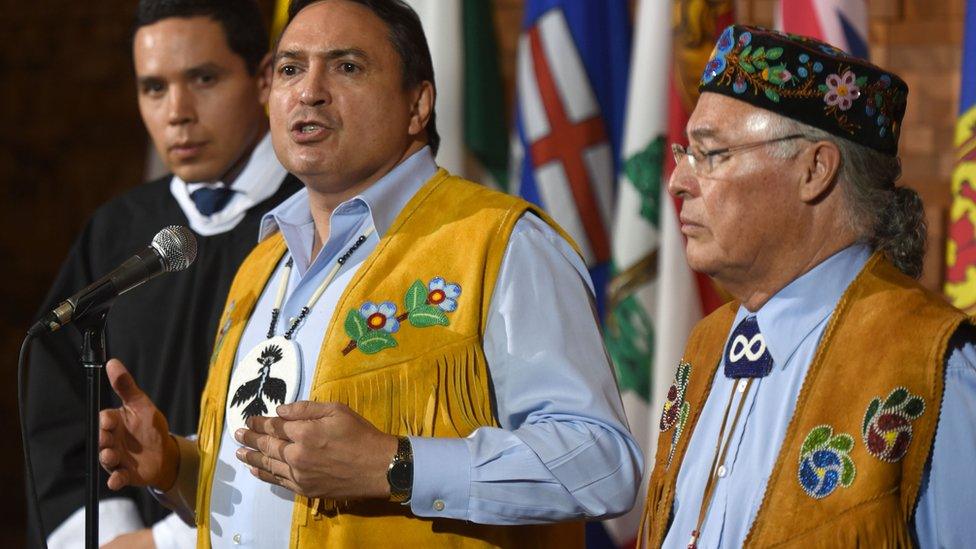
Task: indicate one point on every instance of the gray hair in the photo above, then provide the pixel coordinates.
(888, 218)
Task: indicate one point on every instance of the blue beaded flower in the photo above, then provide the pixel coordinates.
(825, 462)
(380, 317)
(717, 63)
(443, 294)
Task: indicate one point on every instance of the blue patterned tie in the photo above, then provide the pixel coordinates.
(210, 200)
(746, 354)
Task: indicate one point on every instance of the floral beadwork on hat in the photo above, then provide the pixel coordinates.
(825, 462)
(676, 408)
(887, 426)
(809, 81)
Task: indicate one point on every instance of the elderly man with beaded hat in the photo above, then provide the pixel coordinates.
(830, 404)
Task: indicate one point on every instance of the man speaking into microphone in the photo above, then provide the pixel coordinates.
(429, 346)
(202, 78)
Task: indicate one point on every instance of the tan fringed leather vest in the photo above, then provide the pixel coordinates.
(869, 405)
(429, 378)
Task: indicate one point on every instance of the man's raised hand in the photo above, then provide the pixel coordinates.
(134, 444)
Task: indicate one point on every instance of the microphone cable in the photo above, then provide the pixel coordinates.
(21, 400)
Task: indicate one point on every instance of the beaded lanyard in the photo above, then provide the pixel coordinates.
(270, 373)
(283, 287)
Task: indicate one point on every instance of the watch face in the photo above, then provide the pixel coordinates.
(401, 476)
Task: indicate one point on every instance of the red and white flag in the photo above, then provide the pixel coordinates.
(841, 23)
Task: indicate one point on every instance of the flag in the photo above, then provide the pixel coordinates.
(571, 81)
(470, 106)
(842, 23)
(631, 296)
(960, 274)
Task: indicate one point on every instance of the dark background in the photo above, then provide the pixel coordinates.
(70, 139)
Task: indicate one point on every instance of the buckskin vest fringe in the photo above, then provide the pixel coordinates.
(434, 382)
(886, 340)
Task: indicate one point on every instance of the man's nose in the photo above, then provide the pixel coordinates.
(683, 182)
(314, 89)
(181, 106)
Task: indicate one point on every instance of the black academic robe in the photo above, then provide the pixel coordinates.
(163, 331)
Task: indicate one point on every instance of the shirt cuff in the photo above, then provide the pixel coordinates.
(116, 516)
(181, 498)
(173, 533)
(441, 477)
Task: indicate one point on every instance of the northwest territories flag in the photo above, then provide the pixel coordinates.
(842, 23)
(571, 84)
(960, 277)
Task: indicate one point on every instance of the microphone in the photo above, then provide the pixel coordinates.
(172, 249)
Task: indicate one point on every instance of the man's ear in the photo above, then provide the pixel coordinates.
(423, 98)
(821, 164)
(263, 76)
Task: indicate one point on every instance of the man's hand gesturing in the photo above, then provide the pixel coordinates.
(134, 444)
(319, 449)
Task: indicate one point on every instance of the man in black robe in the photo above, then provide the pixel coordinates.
(202, 81)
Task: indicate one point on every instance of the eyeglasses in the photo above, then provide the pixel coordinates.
(704, 162)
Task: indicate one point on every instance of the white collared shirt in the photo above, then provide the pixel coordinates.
(260, 178)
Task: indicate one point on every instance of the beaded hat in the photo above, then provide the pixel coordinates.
(810, 81)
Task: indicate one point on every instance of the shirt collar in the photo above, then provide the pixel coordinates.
(382, 200)
(795, 311)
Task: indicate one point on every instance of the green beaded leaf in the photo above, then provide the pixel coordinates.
(355, 325)
(745, 52)
(896, 397)
(375, 341)
(428, 315)
(817, 437)
(684, 372)
(746, 66)
(774, 53)
(823, 88)
(760, 52)
(416, 296)
(842, 443)
(878, 100)
(772, 95)
(872, 409)
(861, 82)
(914, 407)
(847, 477)
(759, 63)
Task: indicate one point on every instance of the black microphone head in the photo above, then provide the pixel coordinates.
(177, 247)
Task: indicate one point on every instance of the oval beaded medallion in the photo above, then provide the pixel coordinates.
(269, 375)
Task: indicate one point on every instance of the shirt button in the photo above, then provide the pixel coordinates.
(237, 539)
(722, 471)
(742, 385)
(438, 505)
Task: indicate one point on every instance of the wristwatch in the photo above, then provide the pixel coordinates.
(400, 472)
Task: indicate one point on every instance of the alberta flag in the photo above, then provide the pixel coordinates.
(960, 273)
(571, 84)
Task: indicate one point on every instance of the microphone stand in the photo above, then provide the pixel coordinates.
(93, 358)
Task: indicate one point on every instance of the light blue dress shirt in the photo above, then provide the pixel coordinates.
(563, 450)
(792, 323)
